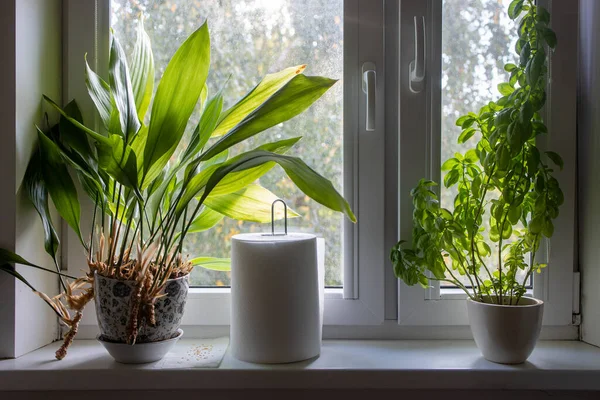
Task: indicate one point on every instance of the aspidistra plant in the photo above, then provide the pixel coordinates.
(148, 192)
(504, 180)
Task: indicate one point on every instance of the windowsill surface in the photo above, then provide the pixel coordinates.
(343, 364)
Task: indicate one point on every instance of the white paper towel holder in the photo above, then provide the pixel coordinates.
(266, 331)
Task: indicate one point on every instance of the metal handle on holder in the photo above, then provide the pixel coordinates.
(369, 82)
(285, 218)
(417, 67)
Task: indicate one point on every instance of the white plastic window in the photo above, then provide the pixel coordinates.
(375, 150)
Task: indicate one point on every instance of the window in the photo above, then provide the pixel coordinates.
(375, 151)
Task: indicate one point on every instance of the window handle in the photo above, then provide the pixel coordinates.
(369, 81)
(416, 78)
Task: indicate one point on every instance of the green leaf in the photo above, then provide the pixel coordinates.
(253, 203)
(268, 86)
(7, 257)
(466, 135)
(468, 123)
(451, 178)
(177, 95)
(483, 249)
(214, 264)
(542, 15)
(73, 137)
(236, 180)
(292, 99)
(142, 71)
(514, 136)
(447, 215)
(514, 214)
(539, 127)
(59, 183)
(33, 184)
(548, 229)
(476, 186)
(538, 99)
(99, 92)
(533, 159)
(449, 164)
(120, 85)
(502, 157)
(461, 120)
(203, 131)
(94, 135)
(550, 37)
(536, 225)
(471, 156)
(119, 161)
(556, 159)
(510, 67)
(205, 220)
(494, 235)
(534, 67)
(12, 271)
(515, 8)
(505, 89)
(306, 179)
(503, 118)
(526, 112)
(524, 55)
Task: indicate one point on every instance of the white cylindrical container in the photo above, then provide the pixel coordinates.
(276, 298)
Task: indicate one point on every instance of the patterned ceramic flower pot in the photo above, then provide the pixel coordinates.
(113, 305)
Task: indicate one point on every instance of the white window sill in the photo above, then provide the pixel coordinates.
(343, 364)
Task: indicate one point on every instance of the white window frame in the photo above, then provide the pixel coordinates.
(384, 164)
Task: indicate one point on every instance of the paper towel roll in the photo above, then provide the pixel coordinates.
(276, 297)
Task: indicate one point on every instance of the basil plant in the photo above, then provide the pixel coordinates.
(507, 195)
(150, 190)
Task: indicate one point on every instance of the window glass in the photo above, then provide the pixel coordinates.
(250, 38)
(477, 40)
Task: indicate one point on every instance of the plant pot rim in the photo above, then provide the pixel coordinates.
(536, 303)
(131, 280)
(177, 337)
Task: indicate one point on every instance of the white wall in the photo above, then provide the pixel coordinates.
(32, 66)
(589, 168)
(7, 172)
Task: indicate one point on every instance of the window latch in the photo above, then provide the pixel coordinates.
(369, 81)
(416, 68)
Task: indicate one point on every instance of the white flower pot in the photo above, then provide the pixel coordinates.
(139, 353)
(506, 334)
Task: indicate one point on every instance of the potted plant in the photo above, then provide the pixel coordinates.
(507, 196)
(147, 197)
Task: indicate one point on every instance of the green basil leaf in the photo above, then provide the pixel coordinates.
(556, 159)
